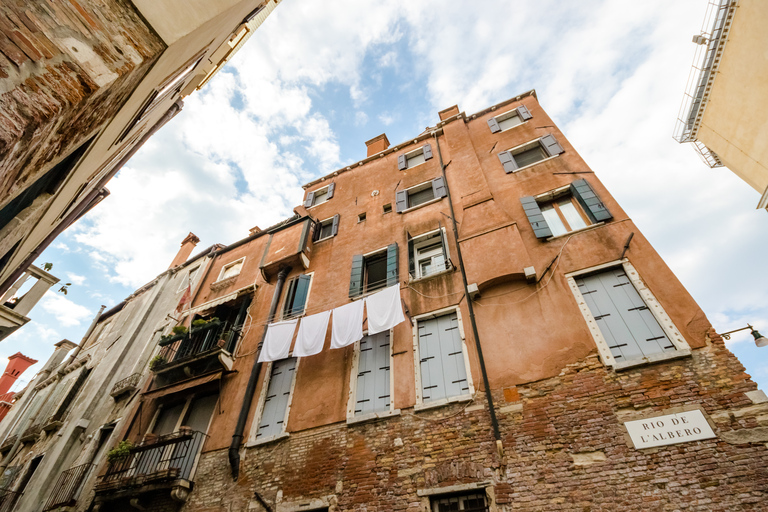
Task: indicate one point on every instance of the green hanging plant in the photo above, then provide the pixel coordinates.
(120, 452)
(179, 329)
(157, 361)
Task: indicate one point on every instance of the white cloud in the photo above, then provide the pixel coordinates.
(66, 312)
(75, 279)
(361, 118)
(387, 118)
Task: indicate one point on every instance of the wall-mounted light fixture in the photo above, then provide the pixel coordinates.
(760, 340)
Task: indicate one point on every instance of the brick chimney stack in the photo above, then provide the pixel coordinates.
(377, 144)
(187, 245)
(17, 364)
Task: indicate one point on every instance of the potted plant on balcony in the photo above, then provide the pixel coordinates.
(120, 452)
(202, 324)
(177, 333)
(157, 361)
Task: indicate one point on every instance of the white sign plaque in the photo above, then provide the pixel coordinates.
(677, 428)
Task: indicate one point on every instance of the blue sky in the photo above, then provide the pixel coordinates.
(318, 79)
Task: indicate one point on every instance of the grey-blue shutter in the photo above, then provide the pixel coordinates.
(493, 124)
(331, 188)
(551, 146)
(308, 200)
(335, 227)
(427, 151)
(508, 161)
(300, 297)
(411, 258)
(443, 373)
(626, 323)
(438, 187)
(316, 231)
(523, 113)
(392, 265)
(533, 212)
(276, 402)
(373, 374)
(401, 201)
(402, 163)
(356, 279)
(592, 205)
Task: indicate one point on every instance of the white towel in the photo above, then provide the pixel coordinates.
(347, 324)
(277, 342)
(384, 310)
(311, 335)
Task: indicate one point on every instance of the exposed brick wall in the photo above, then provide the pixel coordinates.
(66, 68)
(576, 415)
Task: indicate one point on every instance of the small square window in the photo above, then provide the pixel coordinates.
(361, 217)
(231, 269)
(469, 502)
(387, 208)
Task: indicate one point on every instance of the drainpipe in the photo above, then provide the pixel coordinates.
(488, 395)
(250, 390)
(75, 352)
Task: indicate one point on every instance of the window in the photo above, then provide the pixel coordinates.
(231, 269)
(420, 194)
(441, 362)
(296, 296)
(470, 502)
(184, 283)
(373, 271)
(563, 210)
(319, 196)
(372, 385)
(387, 208)
(509, 119)
(530, 153)
(414, 158)
(326, 228)
(428, 254)
(274, 410)
(361, 217)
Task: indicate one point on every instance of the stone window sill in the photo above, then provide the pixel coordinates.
(267, 440)
(412, 280)
(534, 164)
(364, 418)
(585, 228)
(656, 358)
(431, 201)
(424, 406)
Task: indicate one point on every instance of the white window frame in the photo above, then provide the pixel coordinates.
(306, 302)
(508, 115)
(682, 349)
(322, 223)
(365, 273)
(252, 440)
(191, 273)
(352, 399)
(321, 189)
(229, 265)
(525, 147)
(412, 154)
(420, 404)
(561, 193)
(417, 268)
(423, 186)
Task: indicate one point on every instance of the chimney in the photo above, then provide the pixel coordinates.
(377, 144)
(187, 245)
(17, 364)
(448, 112)
(59, 353)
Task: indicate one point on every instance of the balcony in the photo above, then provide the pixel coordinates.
(31, 434)
(125, 386)
(67, 487)
(15, 306)
(165, 462)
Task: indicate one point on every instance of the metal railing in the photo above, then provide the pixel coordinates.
(215, 336)
(165, 458)
(8, 499)
(128, 383)
(67, 487)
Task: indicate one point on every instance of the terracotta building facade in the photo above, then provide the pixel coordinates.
(548, 359)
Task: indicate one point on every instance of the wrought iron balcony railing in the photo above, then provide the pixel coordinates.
(67, 487)
(212, 338)
(127, 385)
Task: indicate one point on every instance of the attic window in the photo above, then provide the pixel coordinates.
(231, 269)
(414, 158)
(361, 217)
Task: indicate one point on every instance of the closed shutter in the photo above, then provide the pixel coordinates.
(551, 146)
(300, 297)
(401, 201)
(592, 205)
(626, 323)
(427, 151)
(508, 162)
(493, 124)
(309, 199)
(392, 277)
(402, 163)
(373, 374)
(200, 412)
(438, 187)
(278, 393)
(533, 212)
(523, 113)
(331, 188)
(335, 228)
(356, 279)
(443, 373)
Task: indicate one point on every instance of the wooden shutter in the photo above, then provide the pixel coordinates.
(427, 151)
(300, 297)
(438, 187)
(493, 124)
(626, 323)
(411, 258)
(316, 229)
(200, 412)
(508, 161)
(356, 279)
(523, 113)
(373, 374)
(533, 212)
(444, 244)
(278, 394)
(335, 227)
(402, 163)
(551, 146)
(401, 201)
(443, 373)
(392, 265)
(331, 188)
(309, 199)
(592, 205)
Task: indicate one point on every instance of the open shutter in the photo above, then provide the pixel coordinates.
(592, 205)
(533, 212)
(356, 279)
(276, 402)
(316, 231)
(523, 113)
(508, 162)
(331, 188)
(392, 265)
(335, 228)
(411, 259)
(427, 151)
(309, 199)
(551, 146)
(401, 201)
(402, 163)
(444, 244)
(300, 297)
(438, 187)
(493, 124)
